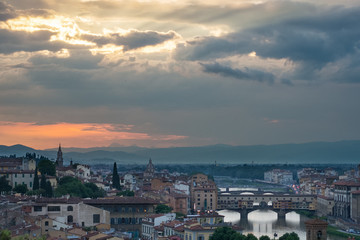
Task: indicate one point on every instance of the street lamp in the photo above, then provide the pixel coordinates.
(275, 235)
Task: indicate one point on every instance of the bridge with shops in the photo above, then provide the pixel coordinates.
(278, 202)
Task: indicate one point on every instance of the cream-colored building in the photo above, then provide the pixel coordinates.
(70, 210)
(18, 177)
(203, 193)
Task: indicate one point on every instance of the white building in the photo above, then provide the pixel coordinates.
(148, 224)
(279, 176)
(83, 171)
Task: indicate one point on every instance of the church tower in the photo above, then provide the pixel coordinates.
(149, 171)
(59, 158)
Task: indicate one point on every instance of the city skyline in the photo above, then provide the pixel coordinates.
(90, 73)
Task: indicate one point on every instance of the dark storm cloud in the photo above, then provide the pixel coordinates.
(132, 40)
(6, 11)
(246, 74)
(311, 41)
(14, 41)
(78, 59)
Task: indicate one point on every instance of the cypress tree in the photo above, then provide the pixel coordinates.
(43, 182)
(115, 178)
(48, 189)
(36, 184)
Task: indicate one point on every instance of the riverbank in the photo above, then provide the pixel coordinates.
(331, 229)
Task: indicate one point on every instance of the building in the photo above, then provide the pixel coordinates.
(316, 229)
(69, 211)
(59, 158)
(149, 172)
(17, 177)
(279, 176)
(196, 231)
(203, 193)
(325, 206)
(342, 197)
(149, 223)
(355, 206)
(83, 171)
(126, 213)
(23, 163)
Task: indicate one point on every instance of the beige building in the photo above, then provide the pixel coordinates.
(17, 177)
(70, 210)
(325, 206)
(126, 213)
(197, 231)
(355, 206)
(203, 193)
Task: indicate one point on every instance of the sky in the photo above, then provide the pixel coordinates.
(167, 73)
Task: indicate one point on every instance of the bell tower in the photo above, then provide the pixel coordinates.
(59, 158)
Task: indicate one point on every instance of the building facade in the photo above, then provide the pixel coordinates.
(203, 193)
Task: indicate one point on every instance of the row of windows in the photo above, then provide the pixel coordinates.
(52, 208)
(126, 220)
(114, 221)
(23, 175)
(126, 209)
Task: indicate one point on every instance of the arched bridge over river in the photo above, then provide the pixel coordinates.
(280, 203)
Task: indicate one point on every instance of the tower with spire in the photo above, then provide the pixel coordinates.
(149, 171)
(59, 158)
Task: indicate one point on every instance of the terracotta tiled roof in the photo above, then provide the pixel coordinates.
(172, 223)
(71, 200)
(120, 200)
(347, 183)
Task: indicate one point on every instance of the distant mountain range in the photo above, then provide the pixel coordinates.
(313, 152)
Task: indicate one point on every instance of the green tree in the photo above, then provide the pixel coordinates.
(162, 208)
(251, 236)
(115, 178)
(126, 193)
(74, 187)
(4, 185)
(226, 233)
(264, 237)
(289, 236)
(95, 190)
(47, 167)
(5, 234)
(48, 189)
(43, 182)
(21, 188)
(36, 184)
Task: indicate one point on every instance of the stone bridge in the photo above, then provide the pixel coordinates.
(280, 203)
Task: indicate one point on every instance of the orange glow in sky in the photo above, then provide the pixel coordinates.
(73, 134)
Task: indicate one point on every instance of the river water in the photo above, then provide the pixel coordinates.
(266, 222)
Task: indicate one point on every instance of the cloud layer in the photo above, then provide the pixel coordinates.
(180, 74)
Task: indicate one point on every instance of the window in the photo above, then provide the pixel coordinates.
(15, 174)
(54, 208)
(23, 175)
(37, 208)
(30, 174)
(30, 184)
(96, 218)
(70, 219)
(70, 208)
(46, 223)
(112, 221)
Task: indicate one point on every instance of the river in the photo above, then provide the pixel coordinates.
(266, 222)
